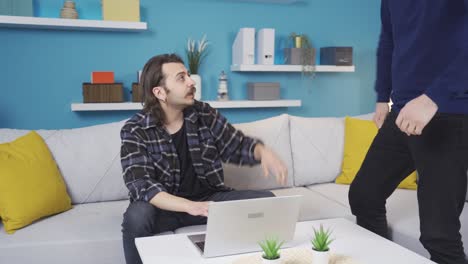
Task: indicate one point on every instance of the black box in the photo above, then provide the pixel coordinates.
(339, 56)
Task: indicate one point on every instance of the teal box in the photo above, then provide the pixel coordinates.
(16, 7)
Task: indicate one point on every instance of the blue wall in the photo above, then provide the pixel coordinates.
(41, 71)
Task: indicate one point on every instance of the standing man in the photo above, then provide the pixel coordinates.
(422, 65)
(172, 154)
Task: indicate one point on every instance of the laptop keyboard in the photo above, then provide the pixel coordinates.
(198, 240)
(201, 245)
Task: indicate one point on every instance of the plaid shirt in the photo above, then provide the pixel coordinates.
(149, 158)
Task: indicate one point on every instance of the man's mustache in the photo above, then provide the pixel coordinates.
(192, 91)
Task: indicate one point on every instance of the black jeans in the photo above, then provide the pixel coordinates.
(440, 156)
(142, 219)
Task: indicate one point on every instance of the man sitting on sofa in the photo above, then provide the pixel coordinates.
(172, 154)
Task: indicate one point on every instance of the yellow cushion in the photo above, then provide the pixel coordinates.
(359, 135)
(31, 186)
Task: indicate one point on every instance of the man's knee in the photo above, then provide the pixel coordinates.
(138, 218)
(362, 197)
(355, 196)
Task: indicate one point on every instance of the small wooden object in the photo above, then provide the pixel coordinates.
(102, 93)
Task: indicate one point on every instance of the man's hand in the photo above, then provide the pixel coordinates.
(169, 202)
(197, 208)
(416, 114)
(381, 112)
(271, 162)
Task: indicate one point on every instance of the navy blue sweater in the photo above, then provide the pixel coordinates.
(423, 49)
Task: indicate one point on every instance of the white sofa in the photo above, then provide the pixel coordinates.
(89, 161)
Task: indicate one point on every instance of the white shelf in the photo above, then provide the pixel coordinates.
(105, 106)
(70, 24)
(255, 104)
(290, 68)
(216, 104)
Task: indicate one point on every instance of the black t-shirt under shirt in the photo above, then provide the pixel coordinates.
(190, 187)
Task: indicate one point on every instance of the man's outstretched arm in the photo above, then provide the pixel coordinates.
(271, 163)
(235, 147)
(169, 202)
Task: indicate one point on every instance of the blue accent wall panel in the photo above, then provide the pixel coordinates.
(41, 71)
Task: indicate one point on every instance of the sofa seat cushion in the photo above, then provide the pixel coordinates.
(402, 215)
(88, 233)
(314, 205)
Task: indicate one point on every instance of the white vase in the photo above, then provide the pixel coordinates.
(320, 257)
(198, 84)
(271, 261)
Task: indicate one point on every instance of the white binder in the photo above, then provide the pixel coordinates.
(266, 46)
(243, 48)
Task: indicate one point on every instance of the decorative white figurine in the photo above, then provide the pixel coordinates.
(223, 87)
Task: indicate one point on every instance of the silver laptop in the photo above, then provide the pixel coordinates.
(236, 227)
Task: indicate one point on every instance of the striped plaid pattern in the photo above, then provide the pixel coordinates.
(149, 158)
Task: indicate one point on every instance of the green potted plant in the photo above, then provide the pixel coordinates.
(300, 40)
(321, 245)
(301, 52)
(270, 247)
(196, 53)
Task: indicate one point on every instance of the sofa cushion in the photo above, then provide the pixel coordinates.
(317, 149)
(274, 132)
(31, 186)
(333, 191)
(402, 215)
(88, 158)
(368, 116)
(314, 205)
(7, 134)
(317, 145)
(88, 233)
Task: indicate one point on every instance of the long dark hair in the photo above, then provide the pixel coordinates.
(153, 76)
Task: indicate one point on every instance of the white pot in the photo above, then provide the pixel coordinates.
(320, 257)
(271, 261)
(198, 84)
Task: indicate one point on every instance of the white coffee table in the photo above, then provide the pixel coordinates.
(350, 240)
